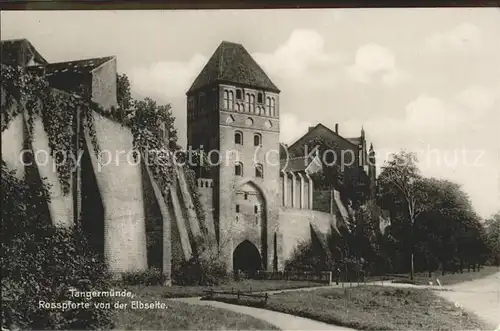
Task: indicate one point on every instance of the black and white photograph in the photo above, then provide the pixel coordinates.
(250, 169)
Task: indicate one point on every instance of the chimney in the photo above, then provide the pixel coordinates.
(311, 128)
(337, 128)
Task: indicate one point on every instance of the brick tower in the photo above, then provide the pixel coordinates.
(233, 116)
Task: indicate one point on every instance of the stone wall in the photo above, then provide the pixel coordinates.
(120, 183)
(295, 227)
(205, 189)
(104, 84)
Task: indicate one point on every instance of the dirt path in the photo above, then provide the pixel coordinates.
(481, 296)
(281, 320)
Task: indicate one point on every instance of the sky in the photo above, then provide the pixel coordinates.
(424, 80)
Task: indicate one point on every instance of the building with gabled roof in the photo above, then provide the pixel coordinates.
(263, 195)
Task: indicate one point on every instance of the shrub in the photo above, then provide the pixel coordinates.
(305, 258)
(200, 270)
(151, 276)
(205, 268)
(44, 267)
(42, 263)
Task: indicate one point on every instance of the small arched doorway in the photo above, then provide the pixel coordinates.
(246, 258)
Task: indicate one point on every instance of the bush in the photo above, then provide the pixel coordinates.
(205, 268)
(43, 268)
(152, 276)
(42, 263)
(305, 258)
(201, 271)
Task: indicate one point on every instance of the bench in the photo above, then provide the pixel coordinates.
(261, 296)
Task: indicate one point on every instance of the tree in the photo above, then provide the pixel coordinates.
(401, 189)
(338, 173)
(493, 237)
(123, 94)
(148, 115)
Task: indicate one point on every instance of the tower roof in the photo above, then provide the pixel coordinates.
(232, 63)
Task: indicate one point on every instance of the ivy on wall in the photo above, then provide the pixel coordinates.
(31, 95)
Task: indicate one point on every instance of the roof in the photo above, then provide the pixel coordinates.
(232, 63)
(352, 141)
(15, 51)
(302, 163)
(79, 66)
(294, 164)
(355, 141)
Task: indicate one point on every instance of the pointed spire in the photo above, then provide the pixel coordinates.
(371, 146)
(362, 131)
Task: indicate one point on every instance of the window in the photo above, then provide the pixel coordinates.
(226, 99)
(237, 208)
(252, 104)
(259, 171)
(260, 98)
(247, 101)
(231, 100)
(268, 106)
(238, 169)
(238, 95)
(273, 107)
(256, 209)
(238, 138)
(257, 139)
(246, 196)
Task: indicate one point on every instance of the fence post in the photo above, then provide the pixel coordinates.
(238, 295)
(330, 281)
(265, 299)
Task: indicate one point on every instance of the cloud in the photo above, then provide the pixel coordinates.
(292, 128)
(463, 36)
(302, 56)
(166, 79)
(373, 62)
(478, 99)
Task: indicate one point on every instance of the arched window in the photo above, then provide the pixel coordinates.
(238, 106)
(226, 99)
(259, 171)
(238, 95)
(256, 209)
(231, 100)
(259, 98)
(247, 101)
(237, 208)
(238, 138)
(268, 106)
(273, 107)
(252, 104)
(257, 139)
(238, 169)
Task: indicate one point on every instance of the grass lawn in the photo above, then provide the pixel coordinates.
(182, 316)
(449, 278)
(371, 308)
(247, 285)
